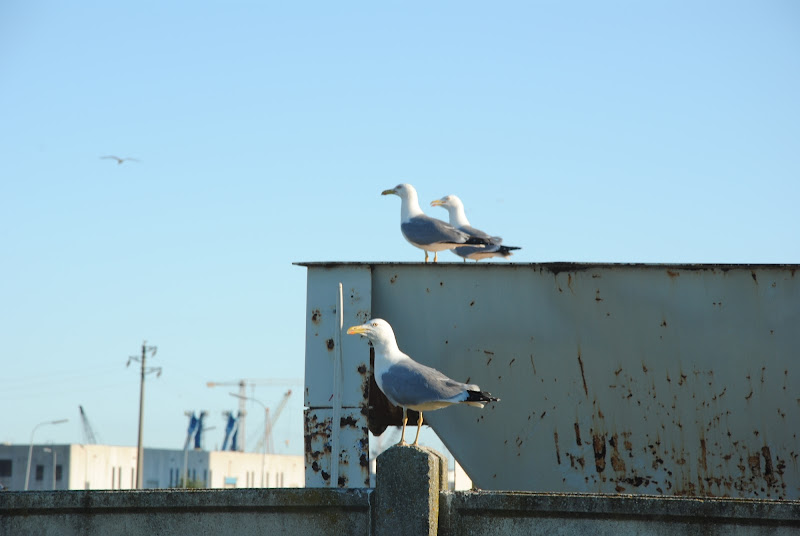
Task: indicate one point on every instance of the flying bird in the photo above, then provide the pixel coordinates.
(458, 219)
(118, 159)
(424, 232)
(409, 384)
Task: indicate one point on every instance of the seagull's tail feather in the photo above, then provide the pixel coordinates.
(505, 251)
(479, 398)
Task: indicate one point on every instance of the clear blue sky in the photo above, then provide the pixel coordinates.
(582, 131)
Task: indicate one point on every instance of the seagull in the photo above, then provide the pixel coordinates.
(458, 219)
(409, 384)
(424, 232)
(118, 159)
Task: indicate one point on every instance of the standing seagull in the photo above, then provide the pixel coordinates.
(409, 384)
(458, 219)
(118, 159)
(424, 232)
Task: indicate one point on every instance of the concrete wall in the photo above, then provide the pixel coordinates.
(218, 512)
(409, 499)
(332, 511)
(529, 513)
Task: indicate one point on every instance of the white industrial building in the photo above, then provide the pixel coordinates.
(76, 466)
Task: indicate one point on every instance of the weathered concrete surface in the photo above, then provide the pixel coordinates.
(410, 485)
(241, 512)
(408, 482)
(478, 513)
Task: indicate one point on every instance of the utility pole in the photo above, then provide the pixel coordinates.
(144, 372)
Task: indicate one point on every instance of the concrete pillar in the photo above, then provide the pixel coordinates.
(407, 486)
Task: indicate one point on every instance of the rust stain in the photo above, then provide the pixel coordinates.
(597, 297)
(512, 361)
(578, 435)
(472, 303)
(393, 279)
(754, 462)
(533, 365)
(583, 377)
(703, 454)
(617, 463)
(769, 474)
(316, 315)
(599, 447)
(558, 452)
(329, 344)
(672, 274)
(348, 421)
(753, 275)
(663, 323)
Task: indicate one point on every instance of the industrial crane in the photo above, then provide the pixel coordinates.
(270, 424)
(243, 383)
(88, 433)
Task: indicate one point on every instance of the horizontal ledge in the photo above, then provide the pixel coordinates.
(555, 266)
(586, 504)
(233, 500)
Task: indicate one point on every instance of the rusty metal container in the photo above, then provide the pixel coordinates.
(614, 378)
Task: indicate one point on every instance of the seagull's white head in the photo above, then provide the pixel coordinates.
(448, 202)
(403, 191)
(377, 330)
(454, 206)
(409, 206)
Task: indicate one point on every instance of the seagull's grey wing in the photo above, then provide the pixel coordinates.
(472, 231)
(109, 157)
(425, 230)
(409, 383)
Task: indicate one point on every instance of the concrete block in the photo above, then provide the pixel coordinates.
(408, 482)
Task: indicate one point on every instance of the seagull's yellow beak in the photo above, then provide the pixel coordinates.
(437, 203)
(356, 330)
(390, 191)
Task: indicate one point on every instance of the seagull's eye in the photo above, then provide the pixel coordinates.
(374, 324)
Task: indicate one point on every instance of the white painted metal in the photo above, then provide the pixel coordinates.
(324, 394)
(657, 379)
